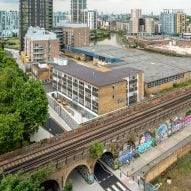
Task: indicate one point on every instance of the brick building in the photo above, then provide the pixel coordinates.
(96, 91)
(75, 35)
(41, 72)
(41, 46)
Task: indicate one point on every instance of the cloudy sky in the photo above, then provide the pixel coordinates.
(115, 6)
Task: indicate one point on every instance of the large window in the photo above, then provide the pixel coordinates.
(165, 80)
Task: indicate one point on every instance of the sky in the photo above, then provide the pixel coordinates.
(113, 6)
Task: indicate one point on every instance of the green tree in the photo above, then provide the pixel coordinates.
(32, 104)
(68, 186)
(188, 113)
(96, 149)
(25, 182)
(11, 132)
(23, 105)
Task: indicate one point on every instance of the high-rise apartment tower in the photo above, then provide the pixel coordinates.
(77, 7)
(34, 13)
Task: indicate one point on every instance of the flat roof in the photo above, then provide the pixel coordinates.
(37, 33)
(153, 71)
(96, 77)
(102, 50)
(155, 66)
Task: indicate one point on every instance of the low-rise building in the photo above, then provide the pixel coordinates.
(160, 71)
(41, 72)
(97, 91)
(41, 46)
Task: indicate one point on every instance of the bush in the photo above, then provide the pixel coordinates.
(68, 186)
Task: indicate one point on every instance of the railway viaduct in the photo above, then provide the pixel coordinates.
(71, 150)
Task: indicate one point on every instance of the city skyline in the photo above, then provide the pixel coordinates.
(113, 6)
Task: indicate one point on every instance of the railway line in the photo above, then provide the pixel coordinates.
(69, 146)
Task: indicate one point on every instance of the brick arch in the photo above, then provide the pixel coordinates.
(50, 183)
(95, 160)
(70, 169)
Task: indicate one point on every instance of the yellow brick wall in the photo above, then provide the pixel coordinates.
(106, 101)
(161, 87)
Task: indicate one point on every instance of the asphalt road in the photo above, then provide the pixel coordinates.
(107, 180)
(15, 54)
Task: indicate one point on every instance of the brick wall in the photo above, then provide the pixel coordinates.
(109, 103)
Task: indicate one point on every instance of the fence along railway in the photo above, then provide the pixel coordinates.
(66, 148)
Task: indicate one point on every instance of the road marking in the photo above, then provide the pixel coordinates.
(121, 186)
(108, 189)
(115, 188)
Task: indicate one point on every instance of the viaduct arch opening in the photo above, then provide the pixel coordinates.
(51, 185)
(80, 173)
(99, 168)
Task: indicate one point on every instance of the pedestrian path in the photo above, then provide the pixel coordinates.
(150, 158)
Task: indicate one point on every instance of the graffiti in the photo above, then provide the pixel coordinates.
(146, 142)
(89, 178)
(108, 159)
(187, 120)
(161, 133)
(176, 124)
(127, 154)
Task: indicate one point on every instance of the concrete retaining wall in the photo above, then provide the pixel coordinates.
(166, 163)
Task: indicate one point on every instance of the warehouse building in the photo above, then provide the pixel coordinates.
(160, 71)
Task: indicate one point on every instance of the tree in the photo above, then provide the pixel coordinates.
(32, 104)
(25, 182)
(68, 186)
(188, 113)
(23, 105)
(11, 131)
(96, 149)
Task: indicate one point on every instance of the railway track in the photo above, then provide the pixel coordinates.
(68, 147)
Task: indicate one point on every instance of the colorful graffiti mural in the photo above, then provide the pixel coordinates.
(187, 120)
(108, 159)
(162, 133)
(89, 178)
(177, 123)
(146, 142)
(127, 154)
